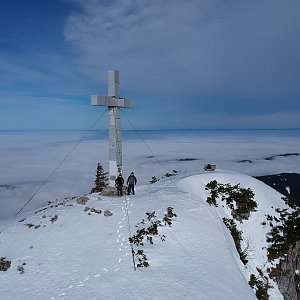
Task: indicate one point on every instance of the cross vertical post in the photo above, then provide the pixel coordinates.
(114, 103)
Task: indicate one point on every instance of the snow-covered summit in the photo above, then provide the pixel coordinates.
(74, 251)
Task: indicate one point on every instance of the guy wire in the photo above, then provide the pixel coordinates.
(57, 167)
(142, 139)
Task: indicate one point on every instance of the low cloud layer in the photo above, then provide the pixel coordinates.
(28, 159)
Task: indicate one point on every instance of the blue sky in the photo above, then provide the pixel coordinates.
(186, 64)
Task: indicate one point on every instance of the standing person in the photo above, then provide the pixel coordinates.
(119, 184)
(131, 182)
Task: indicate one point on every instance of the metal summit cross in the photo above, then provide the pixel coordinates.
(114, 103)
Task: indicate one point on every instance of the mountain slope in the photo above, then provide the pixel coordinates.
(285, 183)
(71, 251)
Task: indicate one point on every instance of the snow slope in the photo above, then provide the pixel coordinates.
(82, 255)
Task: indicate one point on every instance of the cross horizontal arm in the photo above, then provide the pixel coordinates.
(111, 101)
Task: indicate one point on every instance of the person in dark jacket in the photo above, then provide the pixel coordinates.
(119, 184)
(131, 182)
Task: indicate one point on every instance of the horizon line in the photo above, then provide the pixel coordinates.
(163, 129)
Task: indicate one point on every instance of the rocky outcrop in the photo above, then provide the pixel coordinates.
(111, 191)
(287, 274)
(4, 264)
(82, 200)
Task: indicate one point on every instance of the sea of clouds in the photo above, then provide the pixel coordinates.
(53, 165)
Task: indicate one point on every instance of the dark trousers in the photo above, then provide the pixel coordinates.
(120, 190)
(130, 188)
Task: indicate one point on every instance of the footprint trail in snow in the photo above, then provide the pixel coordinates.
(122, 237)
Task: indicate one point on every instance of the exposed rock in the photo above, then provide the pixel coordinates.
(287, 274)
(93, 210)
(40, 210)
(54, 219)
(109, 191)
(29, 225)
(82, 200)
(4, 264)
(97, 211)
(107, 213)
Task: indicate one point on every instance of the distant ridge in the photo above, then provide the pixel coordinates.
(271, 157)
